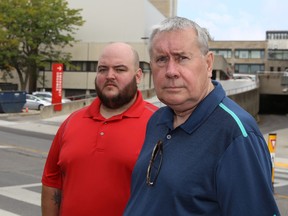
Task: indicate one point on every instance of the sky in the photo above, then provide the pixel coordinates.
(236, 19)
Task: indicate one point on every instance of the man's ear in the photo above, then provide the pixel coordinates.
(210, 61)
(139, 74)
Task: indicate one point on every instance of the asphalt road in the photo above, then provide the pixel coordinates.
(272, 122)
(23, 155)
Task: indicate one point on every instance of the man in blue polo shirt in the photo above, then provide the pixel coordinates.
(203, 154)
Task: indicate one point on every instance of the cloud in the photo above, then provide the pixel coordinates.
(236, 20)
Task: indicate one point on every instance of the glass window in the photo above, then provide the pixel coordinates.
(243, 54)
(226, 53)
(91, 66)
(81, 66)
(285, 55)
(271, 68)
(249, 68)
(255, 68)
(278, 54)
(145, 67)
(243, 69)
(257, 54)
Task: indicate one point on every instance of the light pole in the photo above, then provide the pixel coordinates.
(43, 77)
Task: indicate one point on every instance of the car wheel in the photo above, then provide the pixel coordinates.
(40, 107)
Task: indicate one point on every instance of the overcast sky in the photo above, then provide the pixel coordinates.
(237, 20)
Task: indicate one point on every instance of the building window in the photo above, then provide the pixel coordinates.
(257, 54)
(81, 66)
(242, 54)
(277, 35)
(276, 54)
(249, 68)
(145, 67)
(245, 54)
(226, 53)
(92, 66)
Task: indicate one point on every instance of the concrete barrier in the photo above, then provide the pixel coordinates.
(69, 107)
(72, 106)
(249, 100)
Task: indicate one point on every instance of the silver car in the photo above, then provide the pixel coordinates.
(48, 96)
(35, 103)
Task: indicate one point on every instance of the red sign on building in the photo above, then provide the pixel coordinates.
(57, 80)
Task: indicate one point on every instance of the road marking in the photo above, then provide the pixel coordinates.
(281, 196)
(24, 149)
(6, 146)
(20, 192)
(281, 165)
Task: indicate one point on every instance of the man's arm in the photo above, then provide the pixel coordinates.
(244, 183)
(50, 201)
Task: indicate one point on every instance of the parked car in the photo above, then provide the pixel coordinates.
(48, 96)
(35, 103)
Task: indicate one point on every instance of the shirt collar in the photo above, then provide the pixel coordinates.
(134, 111)
(200, 114)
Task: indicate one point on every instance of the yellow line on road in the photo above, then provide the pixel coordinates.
(24, 149)
(280, 196)
(281, 165)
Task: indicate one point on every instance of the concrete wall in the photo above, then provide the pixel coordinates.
(273, 83)
(72, 106)
(244, 92)
(249, 101)
(119, 20)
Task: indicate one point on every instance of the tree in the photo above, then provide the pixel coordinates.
(32, 33)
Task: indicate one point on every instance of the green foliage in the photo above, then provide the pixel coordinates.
(31, 33)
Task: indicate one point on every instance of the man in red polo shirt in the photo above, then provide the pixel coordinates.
(89, 166)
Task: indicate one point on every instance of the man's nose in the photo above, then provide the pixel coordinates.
(172, 69)
(111, 73)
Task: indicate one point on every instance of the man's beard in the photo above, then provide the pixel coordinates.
(124, 96)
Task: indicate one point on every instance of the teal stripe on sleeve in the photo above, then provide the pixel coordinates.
(235, 118)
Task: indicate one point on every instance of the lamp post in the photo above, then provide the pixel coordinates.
(145, 39)
(43, 77)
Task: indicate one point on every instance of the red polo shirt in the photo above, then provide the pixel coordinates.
(91, 158)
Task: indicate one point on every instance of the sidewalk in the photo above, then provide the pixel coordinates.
(46, 126)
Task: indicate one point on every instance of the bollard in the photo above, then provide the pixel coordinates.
(272, 147)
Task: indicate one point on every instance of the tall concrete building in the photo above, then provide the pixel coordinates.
(107, 21)
(255, 56)
(268, 59)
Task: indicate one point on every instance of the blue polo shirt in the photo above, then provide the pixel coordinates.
(216, 163)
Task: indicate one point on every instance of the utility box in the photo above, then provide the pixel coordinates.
(12, 101)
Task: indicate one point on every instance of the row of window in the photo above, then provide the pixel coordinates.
(277, 35)
(241, 53)
(78, 66)
(248, 68)
(89, 66)
(82, 66)
(278, 54)
(254, 68)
